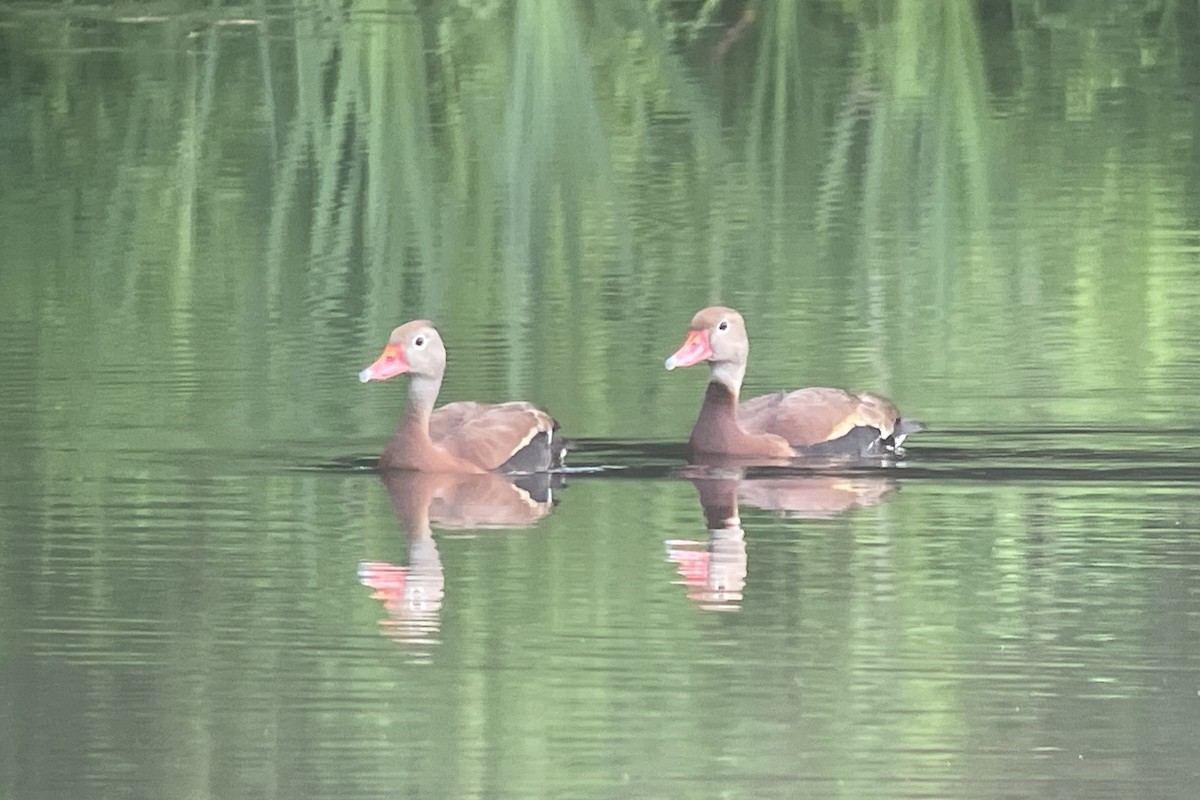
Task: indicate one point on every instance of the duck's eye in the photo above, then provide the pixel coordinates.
(722, 325)
(419, 341)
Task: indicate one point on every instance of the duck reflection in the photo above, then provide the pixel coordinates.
(714, 571)
(412, 594)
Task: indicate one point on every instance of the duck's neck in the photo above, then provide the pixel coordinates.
(718, 414)
(422, 394)
(716, 429)
(729, 374)
(411, 446)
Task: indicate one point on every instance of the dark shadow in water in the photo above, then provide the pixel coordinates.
(1015, 455)
(412, 594)
(714, 571)
(612, 458)
(1057, 453)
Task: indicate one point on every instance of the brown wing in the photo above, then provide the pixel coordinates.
(446, 418)
(487, 434)
(810, 416)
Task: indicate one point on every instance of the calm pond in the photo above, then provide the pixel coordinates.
(211, 220)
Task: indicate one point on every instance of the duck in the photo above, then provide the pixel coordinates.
(783, 425)
(464, 437)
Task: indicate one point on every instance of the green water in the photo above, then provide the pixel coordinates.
(210, 219)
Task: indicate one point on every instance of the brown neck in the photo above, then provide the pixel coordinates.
(717, 430)
(411, 446)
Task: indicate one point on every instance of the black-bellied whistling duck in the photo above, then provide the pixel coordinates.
(813, 421)
(463, 437)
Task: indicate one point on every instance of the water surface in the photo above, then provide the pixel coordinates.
(211, 220)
